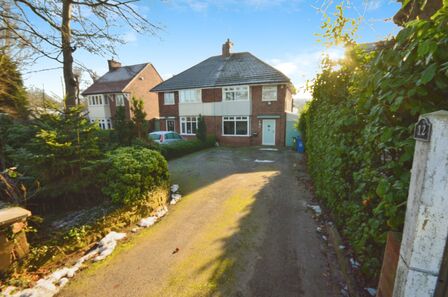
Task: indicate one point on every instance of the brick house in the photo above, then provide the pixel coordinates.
(117, 87)
(244, 101)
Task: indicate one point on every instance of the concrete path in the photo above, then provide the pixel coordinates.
(242, 229)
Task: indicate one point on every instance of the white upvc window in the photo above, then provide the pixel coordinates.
(188, 125)
(235, 126)
(168, 99)
(237, 93)
(119, 100)
(190, 96)
(269, 93)
(95, 99)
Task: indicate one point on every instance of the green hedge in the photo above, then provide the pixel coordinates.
(132, 172)
(181, 148)
(358, 130)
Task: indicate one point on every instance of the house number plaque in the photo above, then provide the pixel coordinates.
(423, 130)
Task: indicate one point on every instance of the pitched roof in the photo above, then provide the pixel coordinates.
(238, 69)
(115, 81)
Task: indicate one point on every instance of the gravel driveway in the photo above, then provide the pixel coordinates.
(242, 229)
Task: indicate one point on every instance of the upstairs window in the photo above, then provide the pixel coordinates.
(240, 93)
(190, 96)
(168, 98)
(269, 93)
(119, 100)
(188, 125)
(96, 100)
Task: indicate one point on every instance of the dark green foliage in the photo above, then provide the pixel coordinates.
(201, 132)
(181, 148)
(132, 172)
(139, 118)
(61, 154)
(12, 93)
(358, 130)
(123, 127)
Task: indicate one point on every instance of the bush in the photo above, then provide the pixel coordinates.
(182, 148)
(201, 132)
(132, 172)
(358, 130)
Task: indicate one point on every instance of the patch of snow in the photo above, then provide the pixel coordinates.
(316, 208)
(263, 161)
(135, 230)
(174, 188)
(268, 149)
(146, 222)
(175, 198)
(371, 291)
(355, 264)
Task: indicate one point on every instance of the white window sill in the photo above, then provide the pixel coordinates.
(268, 100)
(227, 135)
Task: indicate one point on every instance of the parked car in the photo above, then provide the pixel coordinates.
(165, 137)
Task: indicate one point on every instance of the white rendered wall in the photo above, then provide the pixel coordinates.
(224, 108)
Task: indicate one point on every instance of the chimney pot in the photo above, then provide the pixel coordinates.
(113, 65)
(226, 47)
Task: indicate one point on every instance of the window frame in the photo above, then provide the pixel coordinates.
(165, 97)
(185, 120)
(235, 119)
(263, 93)
(234, 89)
(122, 100)
(184, 91)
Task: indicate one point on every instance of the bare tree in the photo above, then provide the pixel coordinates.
(55, 29)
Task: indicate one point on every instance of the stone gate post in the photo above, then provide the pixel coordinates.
(426, 224)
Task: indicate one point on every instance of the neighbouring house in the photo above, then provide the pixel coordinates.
(243, 100)
(117, 87)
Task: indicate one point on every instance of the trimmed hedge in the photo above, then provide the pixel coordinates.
(132, 172)
(182, 148)
(358, 130)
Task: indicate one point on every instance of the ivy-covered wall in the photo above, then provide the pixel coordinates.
(358, 130)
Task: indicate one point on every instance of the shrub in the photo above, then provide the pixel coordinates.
(132, 172)
(358, 130)
(181, 148)
(60, 154)
(201, 133)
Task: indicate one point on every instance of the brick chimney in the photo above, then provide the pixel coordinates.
(226, 48)
(113, 65)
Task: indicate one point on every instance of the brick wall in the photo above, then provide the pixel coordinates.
(168, 110)
(266, 108)
(140, 86)
(113, 107)
(212, 95)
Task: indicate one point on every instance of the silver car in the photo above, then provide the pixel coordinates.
(165, 137)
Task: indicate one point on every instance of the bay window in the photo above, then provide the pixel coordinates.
(240, 93)
(269, 93)
(188, 125)
(235, 126)
(190, 96)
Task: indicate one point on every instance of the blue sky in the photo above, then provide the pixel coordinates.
(280, 32)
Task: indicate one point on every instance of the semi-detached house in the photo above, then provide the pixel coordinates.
(117, 87)
(243, 100)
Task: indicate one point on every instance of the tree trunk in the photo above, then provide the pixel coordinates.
(67, 55)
